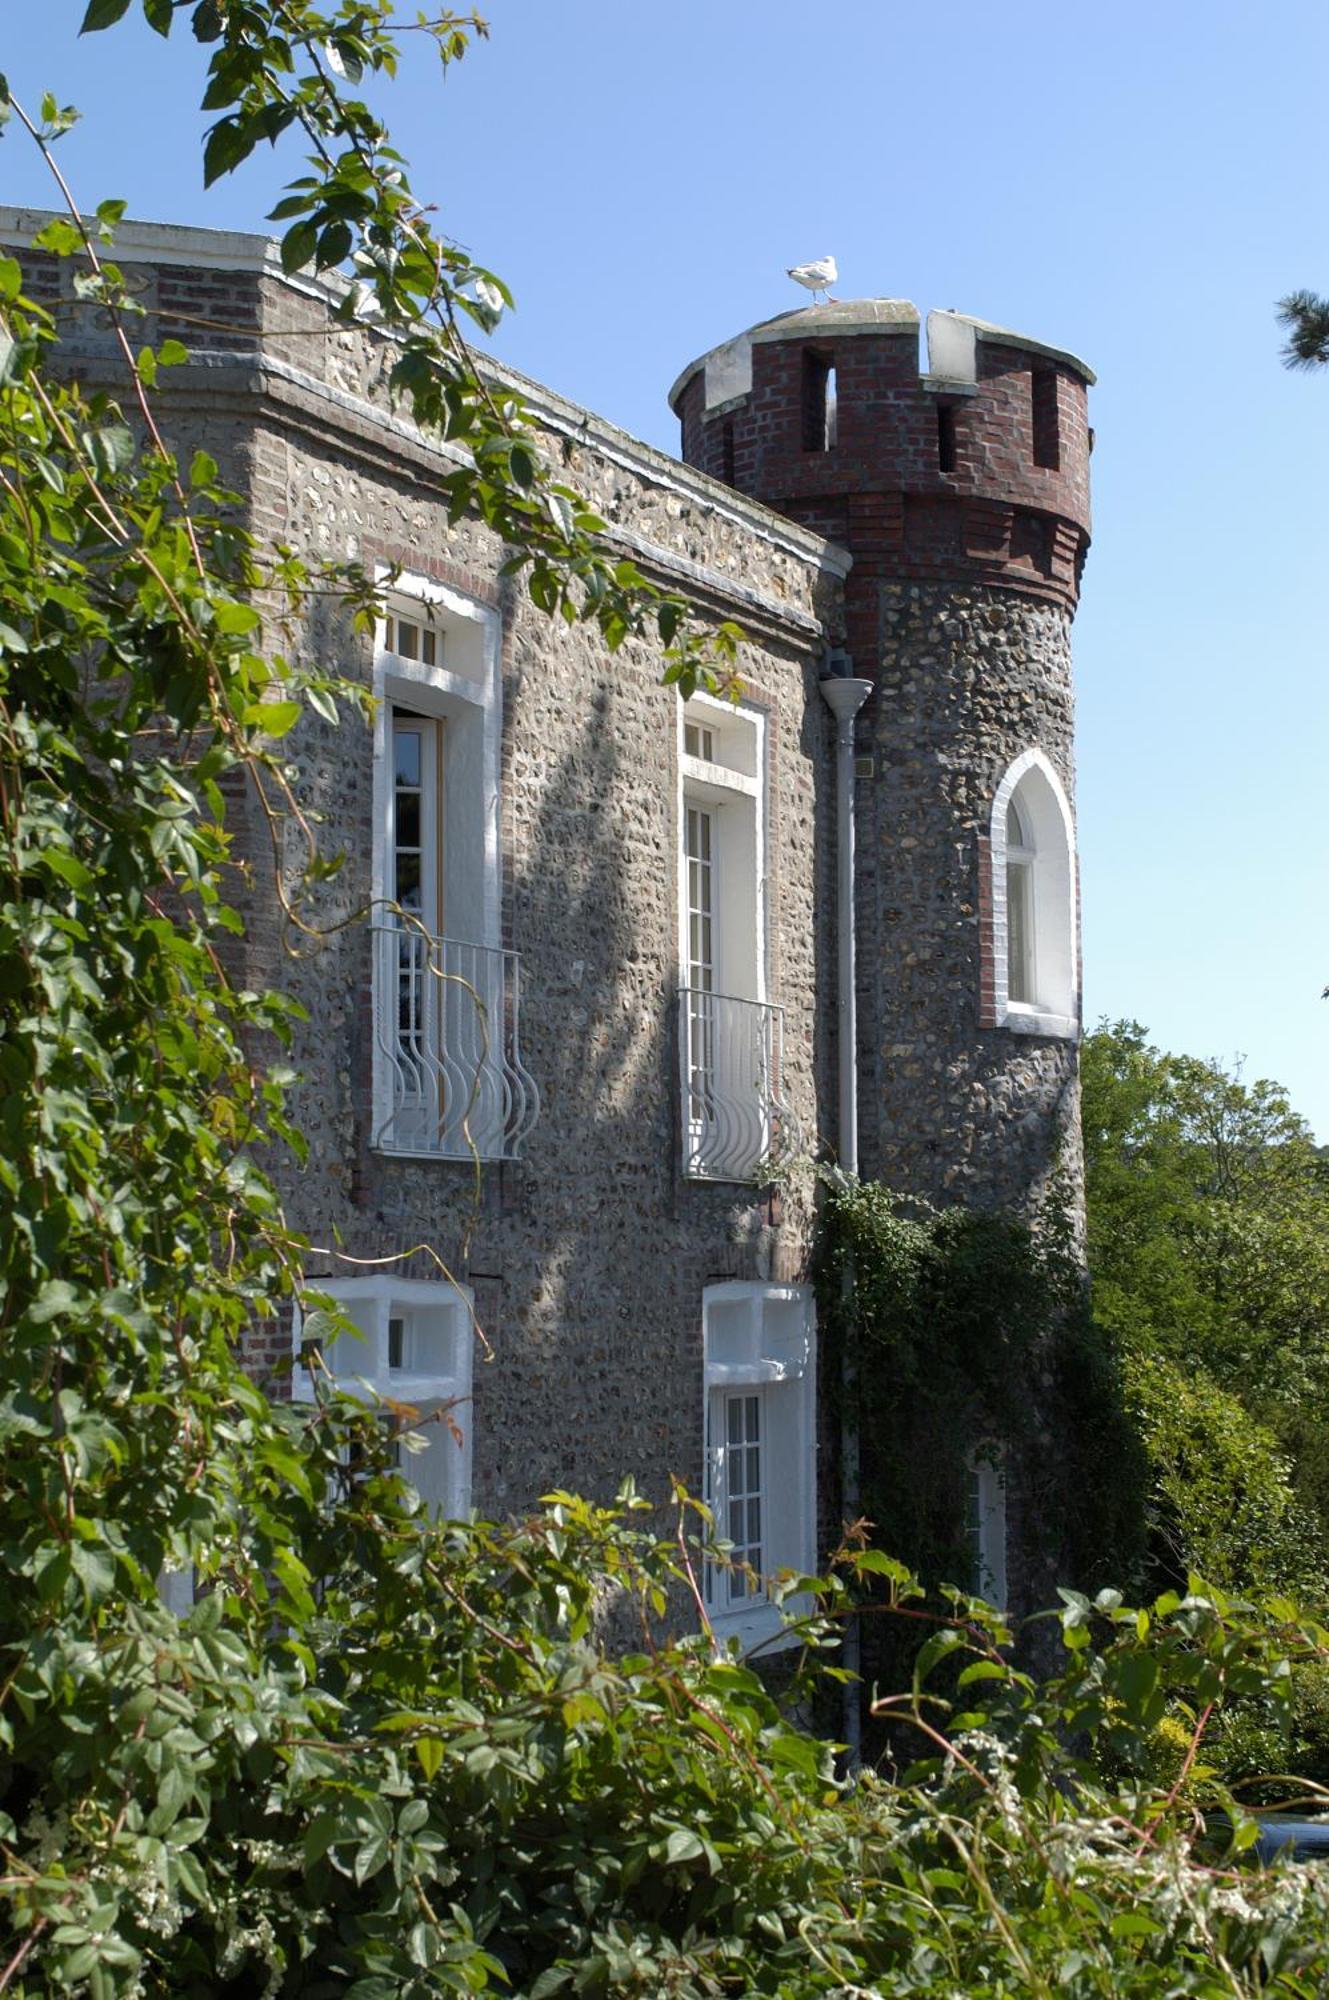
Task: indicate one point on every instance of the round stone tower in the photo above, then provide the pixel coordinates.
(962, 494)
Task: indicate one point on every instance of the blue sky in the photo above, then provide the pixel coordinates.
(1136, 182)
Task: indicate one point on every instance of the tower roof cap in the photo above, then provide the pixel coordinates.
(845, 318)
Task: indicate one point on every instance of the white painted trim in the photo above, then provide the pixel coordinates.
(724, 787)
(376, 1298)
(469, 703)
(1049, 823)
(757, 1335)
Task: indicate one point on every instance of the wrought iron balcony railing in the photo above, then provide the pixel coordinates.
(449, 1081)
(731, 1070)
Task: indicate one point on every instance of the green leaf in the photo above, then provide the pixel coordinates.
(429, 1751)
(370, 1857)
(95, 1570)
(103, 14)
(298, 246)
(1134, 1923)
(227, 144)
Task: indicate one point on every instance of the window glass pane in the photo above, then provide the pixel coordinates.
(1019, 931)
(408, 639)
(408, 819)
(396, 1343)
(429, 646)
(407, 754)
(734, 1419)
(408, 881)
(1014, 827)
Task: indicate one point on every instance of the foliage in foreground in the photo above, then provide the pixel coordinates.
(437, 1780)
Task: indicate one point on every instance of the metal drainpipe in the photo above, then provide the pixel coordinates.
(844, 696)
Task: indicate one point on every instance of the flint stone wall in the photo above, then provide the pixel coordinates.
(967, 679)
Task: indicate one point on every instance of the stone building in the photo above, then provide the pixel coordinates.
(588, 968)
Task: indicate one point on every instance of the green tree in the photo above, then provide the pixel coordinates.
(1208, 1226)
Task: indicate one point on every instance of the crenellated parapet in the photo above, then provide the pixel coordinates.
(976, 469)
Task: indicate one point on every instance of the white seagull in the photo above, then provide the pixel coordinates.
(818, 277)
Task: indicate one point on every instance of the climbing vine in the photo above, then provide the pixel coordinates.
(970, 1332)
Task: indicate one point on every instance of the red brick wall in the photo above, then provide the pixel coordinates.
(1013, 510)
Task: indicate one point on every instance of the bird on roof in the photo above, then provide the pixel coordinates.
(818, 277)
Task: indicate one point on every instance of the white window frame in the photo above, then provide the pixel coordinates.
(463, 689)
(985, 1505)
(761, 1340)
(730, 786)
(442, 1471)
(1044, 813)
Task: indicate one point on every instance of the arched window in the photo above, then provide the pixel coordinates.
(1034, 974)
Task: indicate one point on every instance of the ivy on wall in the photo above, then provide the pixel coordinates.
(968, 1330)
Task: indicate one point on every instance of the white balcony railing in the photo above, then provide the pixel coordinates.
(731, 1070)
(448, 1074)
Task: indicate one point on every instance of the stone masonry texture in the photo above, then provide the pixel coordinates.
(964, 509)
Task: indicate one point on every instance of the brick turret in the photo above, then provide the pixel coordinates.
(977, 470)
(962, 494)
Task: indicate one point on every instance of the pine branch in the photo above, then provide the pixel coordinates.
(1306, 316)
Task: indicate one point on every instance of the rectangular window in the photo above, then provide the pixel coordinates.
(411, 638)
(1020, 933)
(410, 1343)
(449, 1080)
(760, 1423)
(730, 1038)
(985, 1524)
(701, 961)
(740, 1475)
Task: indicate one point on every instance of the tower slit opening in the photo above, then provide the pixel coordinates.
(820, 411)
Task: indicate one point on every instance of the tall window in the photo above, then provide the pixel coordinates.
(741, 1475)
(985, 1523)
(699, 835)
(449, 1080)
(760, 1421)
(728, 1033)
(1033, 942)
(1021, 985)
(410, 1350)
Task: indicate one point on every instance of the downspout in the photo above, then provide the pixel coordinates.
(844, 696)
